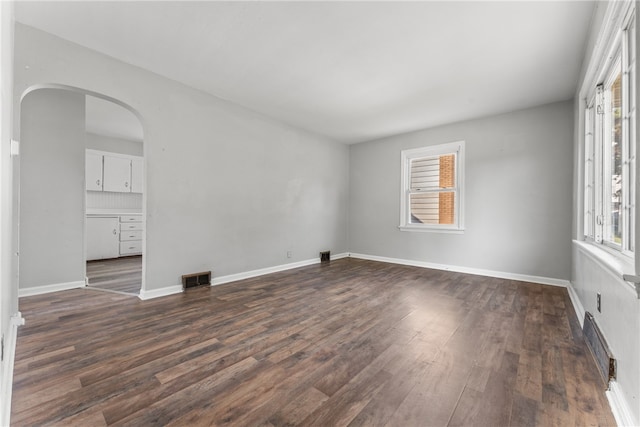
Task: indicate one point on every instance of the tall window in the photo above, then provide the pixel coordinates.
(432, 188)
(610, 148)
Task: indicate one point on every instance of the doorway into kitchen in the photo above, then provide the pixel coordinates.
(78, 193)
(114, 191)
(116, 274)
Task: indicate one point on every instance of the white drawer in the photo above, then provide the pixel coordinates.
(130, 226)
(131, 248)
(131, 218)
(128, 235)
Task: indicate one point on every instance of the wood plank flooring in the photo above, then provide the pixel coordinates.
(118, 274)
(351, 342)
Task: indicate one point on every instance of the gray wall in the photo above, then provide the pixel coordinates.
(52, 188)
(227, 189)
(619, 320)
(517, 196)
(114, 145)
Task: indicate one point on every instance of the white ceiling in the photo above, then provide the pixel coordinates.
(353, 71)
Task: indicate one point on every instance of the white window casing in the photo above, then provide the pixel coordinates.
(426, 203)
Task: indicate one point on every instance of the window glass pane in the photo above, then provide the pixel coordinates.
(432, 208)
(630, 232)
(631, 93)
(631, 38)
(447, 171)
(425, 173)
(615, 179)
(433, 172)
(589, 173)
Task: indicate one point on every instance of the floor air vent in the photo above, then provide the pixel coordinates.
(599, 348)
(325, 256)
(196, 279)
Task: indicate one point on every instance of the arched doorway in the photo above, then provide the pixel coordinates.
(58, 207)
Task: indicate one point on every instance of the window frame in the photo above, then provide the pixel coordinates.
(406, 156)
(605, 139)
(596, 112)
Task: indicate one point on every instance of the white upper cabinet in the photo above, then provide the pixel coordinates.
(117, 174)
(112, 172)
(93, 172)
(137, 174)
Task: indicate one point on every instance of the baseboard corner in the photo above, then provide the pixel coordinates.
(619, 406)
(162, 292)
(6, 381)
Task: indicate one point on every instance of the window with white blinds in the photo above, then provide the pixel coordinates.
(432, 188)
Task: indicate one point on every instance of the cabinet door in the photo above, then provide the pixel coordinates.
(93, 172)
(117, 174)
(103, 238)
(137, 173)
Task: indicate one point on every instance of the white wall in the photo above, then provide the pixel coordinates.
(517, 195)
(114, 145)
(52, 188)
(227, 190)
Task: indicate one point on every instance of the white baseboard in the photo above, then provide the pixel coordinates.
(577, 304)
(468, 270)
(617, 401)
(619, 406)
(162, 292)
(6, 383)
(170, 290)
(268, 270)
(45, 289)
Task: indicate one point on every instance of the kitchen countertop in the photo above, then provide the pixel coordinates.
(114, 212)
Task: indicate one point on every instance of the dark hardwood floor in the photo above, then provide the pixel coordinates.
(118, 274)
(351, 342)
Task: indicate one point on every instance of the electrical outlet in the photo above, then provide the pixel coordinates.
(289, 254)
(599, 302)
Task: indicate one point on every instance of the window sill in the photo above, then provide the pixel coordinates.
(612, 260)
(423, 229)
